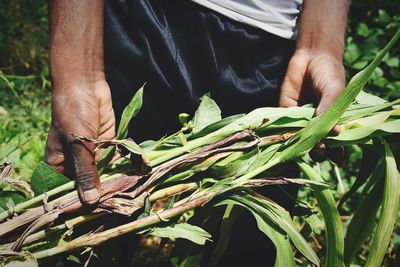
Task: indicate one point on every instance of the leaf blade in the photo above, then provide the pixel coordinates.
(45, 178)
(182, 230)
(388, 215)
(333, 224)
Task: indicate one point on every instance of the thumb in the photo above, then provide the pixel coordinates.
(293, 82)
(85, 170)
(328, 97)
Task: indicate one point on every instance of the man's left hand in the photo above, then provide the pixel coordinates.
(312, 76)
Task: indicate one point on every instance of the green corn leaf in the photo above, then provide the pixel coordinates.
(279, 219)
(284, 123)
(228, 221)
(181, 176)
(237, 166)
(389, 211)
(201, 167)
(284, 254)
(207, 114)
(282, 218)
(333, 225)
(188, 254)
(182, 230)
(356, 111)
(363, 222)
(364, 133)
(45, 178)
(214, 126)
(365, 98)
(284, 257)
(128, 114)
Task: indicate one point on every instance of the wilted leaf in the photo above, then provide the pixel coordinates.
(124, 204)
(18, 259)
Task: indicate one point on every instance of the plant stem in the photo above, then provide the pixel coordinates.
(33, 201)
(69, 224)
(94, 239)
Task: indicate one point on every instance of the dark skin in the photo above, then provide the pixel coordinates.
(81, 98)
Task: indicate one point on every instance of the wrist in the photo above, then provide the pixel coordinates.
(318, 42)
(305, 54)
(71, 74)
(322, 26)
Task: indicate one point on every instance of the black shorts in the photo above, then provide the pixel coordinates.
(182, 50)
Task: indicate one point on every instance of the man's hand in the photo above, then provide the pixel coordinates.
(81, 100)
(84, 110)
(312, 76)
(315, 72)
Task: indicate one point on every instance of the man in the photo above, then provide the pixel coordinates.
(243, 52)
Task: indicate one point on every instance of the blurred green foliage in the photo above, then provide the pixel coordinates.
(24, 120)
(371, 25)
(24, 86)
(25, 92)
(24, 36)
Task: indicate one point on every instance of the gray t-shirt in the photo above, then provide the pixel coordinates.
(278, 17)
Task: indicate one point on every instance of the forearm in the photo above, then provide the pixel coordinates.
(323, 25)
(76, 41)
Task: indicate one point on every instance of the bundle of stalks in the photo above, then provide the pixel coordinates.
(218, 162)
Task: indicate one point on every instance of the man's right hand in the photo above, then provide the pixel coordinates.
(81, 99)
(83, 109)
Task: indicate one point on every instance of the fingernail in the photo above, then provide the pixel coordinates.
(91, 196)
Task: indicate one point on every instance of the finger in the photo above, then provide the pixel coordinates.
(318, 152)
(292, 83)
(336, 155)
(86, 171)
(54, 155)
(328, 97)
